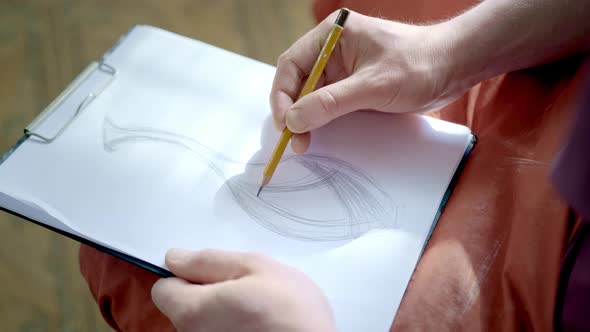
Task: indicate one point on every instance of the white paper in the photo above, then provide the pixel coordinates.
(171, 155)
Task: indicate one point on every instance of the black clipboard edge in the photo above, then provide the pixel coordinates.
(130, 259)
(442, 206)
(450, 188)
(165, 273)
(125, 257)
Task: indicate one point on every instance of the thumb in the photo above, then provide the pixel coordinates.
(175, 297)
(208, 266)
(328, 103)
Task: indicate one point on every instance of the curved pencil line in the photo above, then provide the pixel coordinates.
(366, 205)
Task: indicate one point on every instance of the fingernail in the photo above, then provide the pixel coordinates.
(279, 126)
(295, 121)
(296, 144)
(176, 255)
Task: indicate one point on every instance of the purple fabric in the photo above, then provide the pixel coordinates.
(571, 174)
(575, 304)
(571, 177)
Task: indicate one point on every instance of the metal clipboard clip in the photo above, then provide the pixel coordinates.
(54, 119)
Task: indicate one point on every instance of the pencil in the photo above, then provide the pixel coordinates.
(312, 80)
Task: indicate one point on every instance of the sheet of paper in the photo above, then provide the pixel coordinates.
(171, 155)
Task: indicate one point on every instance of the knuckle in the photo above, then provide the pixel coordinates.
(287, 64)
(382, 79)
(301, 122)
(284, 59)
(384, 86)
(328, 103)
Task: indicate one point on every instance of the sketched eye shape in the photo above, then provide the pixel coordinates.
(291, 207)
(288, 207)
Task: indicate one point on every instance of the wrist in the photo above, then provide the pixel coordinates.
(449, 69)
(501, 36)
(476, 49)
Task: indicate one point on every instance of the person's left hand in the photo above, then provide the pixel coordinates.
(230, 291)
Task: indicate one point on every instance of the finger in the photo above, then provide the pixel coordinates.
(292, 67)
(279, 106)
(300, 142)
(176, 297)
(329, 102)
(284, 102)
(208, 266)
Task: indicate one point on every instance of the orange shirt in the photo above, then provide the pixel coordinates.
(493, 262)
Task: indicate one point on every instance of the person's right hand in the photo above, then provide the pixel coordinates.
(377, 64)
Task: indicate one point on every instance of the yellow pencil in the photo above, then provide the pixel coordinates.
(312, 80)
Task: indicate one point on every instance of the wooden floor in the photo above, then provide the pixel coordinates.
(43, 45)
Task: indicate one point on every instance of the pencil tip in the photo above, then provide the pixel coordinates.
(265, 181)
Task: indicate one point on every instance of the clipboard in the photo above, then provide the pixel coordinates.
(62, 117)
(66, 107)
(82, 90)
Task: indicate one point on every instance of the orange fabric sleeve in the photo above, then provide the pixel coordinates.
(122, 292)
(493, 261)
(415, 11)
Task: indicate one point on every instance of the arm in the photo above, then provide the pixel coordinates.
(500, 36)
(387, 66)
(393, 67)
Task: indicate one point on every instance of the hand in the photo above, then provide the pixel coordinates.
(228, 291)
(377, 64)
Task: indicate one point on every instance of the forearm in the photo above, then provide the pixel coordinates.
(499, 36)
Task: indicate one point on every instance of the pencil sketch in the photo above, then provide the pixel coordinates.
(363, 204)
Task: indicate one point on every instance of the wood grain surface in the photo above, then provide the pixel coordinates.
(44, 44)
